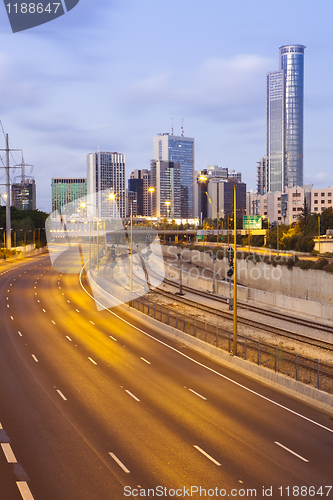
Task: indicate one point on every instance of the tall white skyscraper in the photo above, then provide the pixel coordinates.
(179, 149)
(106, 174)
(284, 142)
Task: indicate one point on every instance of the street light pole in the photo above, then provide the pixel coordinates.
(151, 190)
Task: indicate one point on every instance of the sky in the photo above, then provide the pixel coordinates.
(110, 75)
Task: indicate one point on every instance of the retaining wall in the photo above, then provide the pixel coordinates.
(308, 292)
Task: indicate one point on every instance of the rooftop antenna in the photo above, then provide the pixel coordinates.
(182, 128)
(172, 126)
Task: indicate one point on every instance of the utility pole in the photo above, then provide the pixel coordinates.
(8, 218)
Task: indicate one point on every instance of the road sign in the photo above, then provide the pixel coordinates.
(252, 222)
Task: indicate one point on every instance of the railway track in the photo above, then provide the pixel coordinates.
(245, 321)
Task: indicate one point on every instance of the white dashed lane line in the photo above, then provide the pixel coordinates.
(290, 451)
(34, 358)
(206, 455)
(61, 395)
(53, 322)
(113, 338)
(125, 469)
(197, 394)
(143, 359)
(132, 395)
(92, 323)
(8, 452)
(20, 334)
(68, 338)
(24, 490)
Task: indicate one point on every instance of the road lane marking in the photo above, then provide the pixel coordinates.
(38, 300)
(53, 322)
(7, 298)
(206, 455)
(113, 338)
(68, 301)
(197, 394)
(7, 449)
(68, 338)
(90, 359)
(20, 334)
(11, 318)
(1, 426)
(61, 395)
(34, 357)
(44, 310)
(205, 366)
(24, 490)
(143, 359)
(125, 469)
(291, 451)
(134, 397)
(77, 310)
(7, 305)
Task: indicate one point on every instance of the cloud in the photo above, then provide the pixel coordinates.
(222, 88)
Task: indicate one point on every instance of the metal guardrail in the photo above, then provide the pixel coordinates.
(300, 368)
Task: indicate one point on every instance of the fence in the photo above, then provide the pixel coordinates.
(300, 368)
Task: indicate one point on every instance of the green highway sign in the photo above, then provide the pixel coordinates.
(252, 222)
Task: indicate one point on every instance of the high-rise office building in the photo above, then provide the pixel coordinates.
(24, 195)
(166, 199)
(215, 194)
(284, 140)
(65, 191)
(106, 174)
(179, 149)
(261, 176)
(139, 183)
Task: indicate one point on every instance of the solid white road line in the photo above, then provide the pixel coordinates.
(7, 449)
(206, 455)
(61, 394)
(197, 394)
(125, 469)
(148, 362)
(34, 358)
(24, 490)
(205, 366)
(92, 361)
(113, 338)
(290, 451)
(134, 397)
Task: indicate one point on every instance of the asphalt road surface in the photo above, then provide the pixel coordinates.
(94, 406)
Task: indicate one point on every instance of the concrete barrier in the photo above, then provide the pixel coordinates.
(290, 386)
(303, 292)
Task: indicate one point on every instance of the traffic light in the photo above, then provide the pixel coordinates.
(113, 253)
(230, 256)
(230, 271)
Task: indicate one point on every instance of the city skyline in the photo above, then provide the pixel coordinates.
(58, 108)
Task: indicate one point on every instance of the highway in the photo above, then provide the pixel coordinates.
(95, 406)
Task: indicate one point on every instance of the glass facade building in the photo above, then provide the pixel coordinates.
(106, 175)
(179, 149)
(67, 190)
(284, 142)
